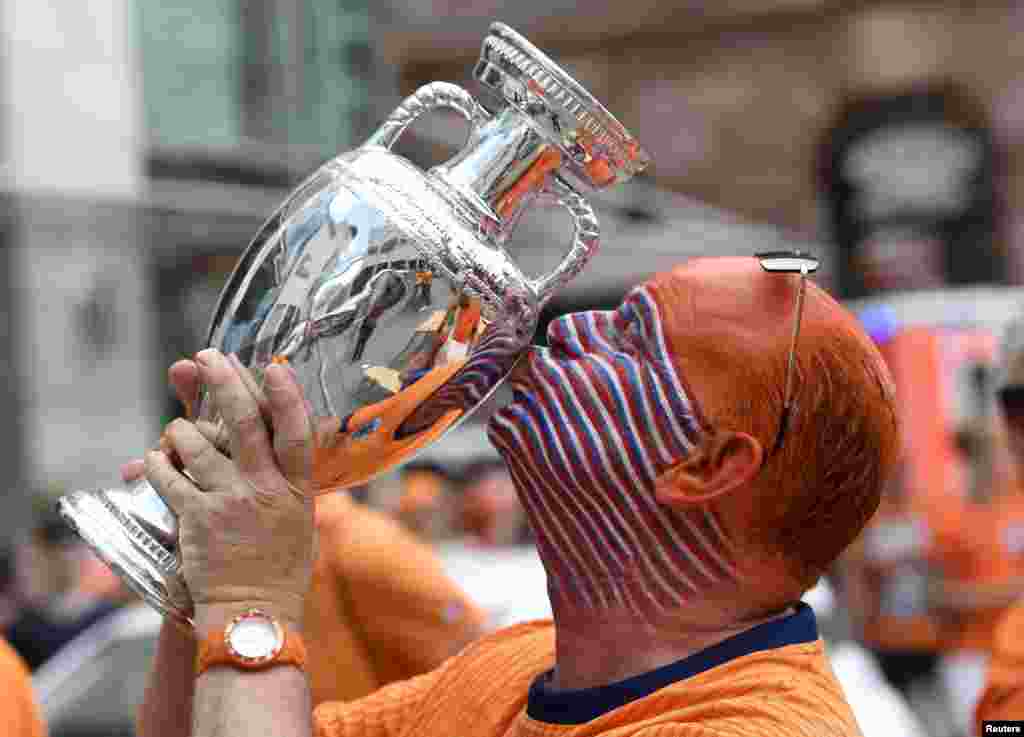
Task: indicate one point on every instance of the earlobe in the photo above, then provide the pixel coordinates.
(721, 463)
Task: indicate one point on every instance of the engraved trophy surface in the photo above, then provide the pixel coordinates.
(389, 290)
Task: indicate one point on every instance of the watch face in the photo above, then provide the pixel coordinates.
(255, 637)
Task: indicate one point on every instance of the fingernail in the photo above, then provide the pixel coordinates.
(275, 374)
(286, 364)
(206, 356)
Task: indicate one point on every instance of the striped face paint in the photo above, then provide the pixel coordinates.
(595, 419)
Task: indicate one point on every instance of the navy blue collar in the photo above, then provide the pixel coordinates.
(546, 704)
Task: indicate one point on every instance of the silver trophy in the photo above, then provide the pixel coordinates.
(389, 290)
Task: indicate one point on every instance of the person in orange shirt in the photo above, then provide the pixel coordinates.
(1003, 696)
(21, 717)
(379, 609)
(689, 468)
(489, 507)
(940, 561)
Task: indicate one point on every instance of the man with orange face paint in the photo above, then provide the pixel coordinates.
(689, 468)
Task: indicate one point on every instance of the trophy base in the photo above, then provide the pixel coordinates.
(145, 566)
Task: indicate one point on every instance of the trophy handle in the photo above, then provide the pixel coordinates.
(428, 98)
(586, 235)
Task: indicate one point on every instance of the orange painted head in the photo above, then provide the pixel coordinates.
(728, 324)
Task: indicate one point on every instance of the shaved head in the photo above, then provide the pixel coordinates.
(728, 324)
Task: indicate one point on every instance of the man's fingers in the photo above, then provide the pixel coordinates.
(253, 386)
(249, 380)
(216, 433)
(172, 486)
(239, 408)
(133, 470)
(207, 465)
(293, 437)
(183, 377)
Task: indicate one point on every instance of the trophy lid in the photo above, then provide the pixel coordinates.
(599, 150)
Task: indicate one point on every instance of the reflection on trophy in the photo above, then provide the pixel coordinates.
(389, 290)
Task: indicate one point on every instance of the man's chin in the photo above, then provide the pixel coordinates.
(497, 431)
(520, 393)
(509, 414)
(522, 389)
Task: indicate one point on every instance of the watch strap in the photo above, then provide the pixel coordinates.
(214, 649)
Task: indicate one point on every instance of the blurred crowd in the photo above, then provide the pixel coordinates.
(53, 588)
(930, 581)
(475, 500)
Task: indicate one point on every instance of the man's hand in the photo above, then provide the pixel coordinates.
(245, 521)
(183, 377)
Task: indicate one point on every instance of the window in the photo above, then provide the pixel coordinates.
(224, 74)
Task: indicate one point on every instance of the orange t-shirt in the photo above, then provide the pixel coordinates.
(971, 544)
(21, 717)
(484, 692)
(965, 540)
(380, 607)
(1003, 697)
(983, 546)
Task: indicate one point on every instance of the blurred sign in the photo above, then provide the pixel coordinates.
(908, 182)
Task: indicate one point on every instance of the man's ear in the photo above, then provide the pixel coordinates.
(723, 461)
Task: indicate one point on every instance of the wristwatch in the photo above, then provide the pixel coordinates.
(253, 640)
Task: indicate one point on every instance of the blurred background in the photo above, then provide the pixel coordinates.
(142, 143)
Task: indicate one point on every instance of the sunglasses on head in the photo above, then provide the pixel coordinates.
(789, 262)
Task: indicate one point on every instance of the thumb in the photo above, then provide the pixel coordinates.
(183, 376)
(293, 437)
(133, 470)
